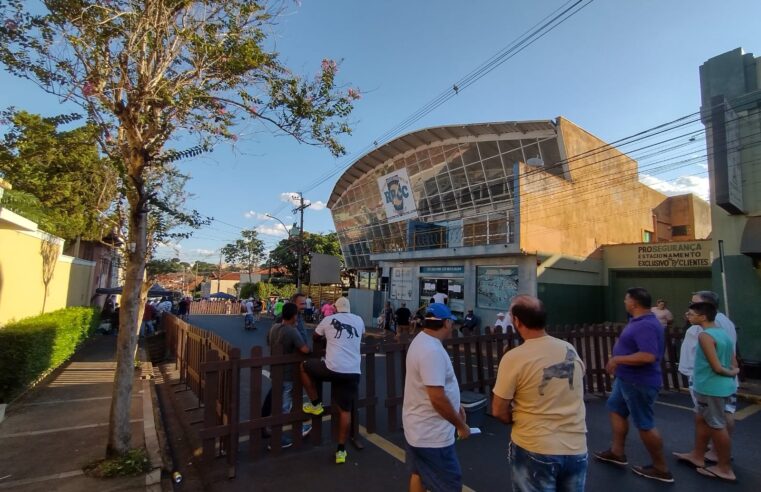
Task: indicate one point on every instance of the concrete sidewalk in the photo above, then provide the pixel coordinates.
(62, 425)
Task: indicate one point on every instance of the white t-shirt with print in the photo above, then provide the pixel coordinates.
(690, 343)
(428, 364)
(343, 332)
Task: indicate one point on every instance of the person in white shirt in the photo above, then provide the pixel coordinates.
(342, 366)
(440, 298)
(662, 313)
(689, 348)
(503, 323)
(431, 412)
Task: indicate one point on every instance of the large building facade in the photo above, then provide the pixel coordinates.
(482, 212)
(731, 112)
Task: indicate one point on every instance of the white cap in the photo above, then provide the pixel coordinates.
(342, 305)
(500, 315)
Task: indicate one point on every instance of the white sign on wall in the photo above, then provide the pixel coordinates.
(401, 283)
(397, 197)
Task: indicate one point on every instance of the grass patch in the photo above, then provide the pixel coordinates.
(135, 462)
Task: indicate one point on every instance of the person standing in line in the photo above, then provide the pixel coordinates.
(341, 366)
(636, 364)
(277, 310)
(540, 391)
(402, 317)
(662, 313)
(285, 336)
(149, 320)
(440, 298)
(503, 323)
(470, 322)
(688, 352)
(249, 317)
(431, 411)
(388, 319)
(714, 373)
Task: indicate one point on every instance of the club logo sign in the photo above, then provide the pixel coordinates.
(397, 197)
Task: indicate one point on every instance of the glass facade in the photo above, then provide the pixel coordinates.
(464, 193)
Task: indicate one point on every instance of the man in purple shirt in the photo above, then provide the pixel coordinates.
(636, 364)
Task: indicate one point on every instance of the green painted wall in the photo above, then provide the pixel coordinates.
(744, 294)
(571, 304)
(675, 287)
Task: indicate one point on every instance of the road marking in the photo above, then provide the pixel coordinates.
(392, 449)
(674, 405)
(27, 481)
(61, 429)
(747, 412)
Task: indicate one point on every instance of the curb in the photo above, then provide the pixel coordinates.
(152, 478)
(750, 397)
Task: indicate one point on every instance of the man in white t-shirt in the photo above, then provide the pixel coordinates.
(249, 318)
(440, 298)
(342, 366)
(431, 412)
(540, 391)
(687, 357)
(502, 322)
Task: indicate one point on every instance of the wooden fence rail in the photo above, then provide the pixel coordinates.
(211, 368)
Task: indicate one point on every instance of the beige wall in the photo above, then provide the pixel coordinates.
(602, 203)
(21, 288)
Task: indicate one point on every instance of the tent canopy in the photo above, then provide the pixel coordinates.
(222, 295)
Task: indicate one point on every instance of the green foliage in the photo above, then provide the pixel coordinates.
(59, 179)
(162, 266)
(286, 290)
(33, 346)
(247, 252)
(133, 462)
(248, 290)
(286, 252)
(204, 268)
(264, 290)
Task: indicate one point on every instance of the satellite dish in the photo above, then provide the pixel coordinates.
(535, 161)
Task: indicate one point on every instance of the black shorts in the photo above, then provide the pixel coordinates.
(344, 386)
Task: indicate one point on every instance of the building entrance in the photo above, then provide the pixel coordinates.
(452, 287)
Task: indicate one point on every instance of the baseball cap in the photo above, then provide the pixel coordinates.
(440, 311)
(500, 315)
(342, 305)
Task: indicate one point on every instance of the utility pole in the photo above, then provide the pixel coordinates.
(300, 209)
(219, 273)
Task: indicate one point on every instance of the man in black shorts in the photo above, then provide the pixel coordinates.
(343, 332)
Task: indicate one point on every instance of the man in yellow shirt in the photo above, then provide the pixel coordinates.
(540, 390)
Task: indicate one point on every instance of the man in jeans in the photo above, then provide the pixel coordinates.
(431, 412)
(540, 390)
(636, 364)
(285, 336)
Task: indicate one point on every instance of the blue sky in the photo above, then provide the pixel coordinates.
(616, 68)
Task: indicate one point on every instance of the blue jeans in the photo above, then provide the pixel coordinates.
(439, 468)
(534, 472)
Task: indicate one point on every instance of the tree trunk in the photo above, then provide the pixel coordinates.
(130, 313)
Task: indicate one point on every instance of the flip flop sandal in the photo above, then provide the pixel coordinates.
(687, 461)
(710, 474)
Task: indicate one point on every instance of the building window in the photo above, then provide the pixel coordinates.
(681, 230)
(647, 236)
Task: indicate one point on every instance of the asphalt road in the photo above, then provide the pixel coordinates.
(483, 458)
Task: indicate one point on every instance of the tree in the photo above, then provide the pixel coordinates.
(73, 185)
(162, 266)
(286, 251)
(157, 71)
(246, 252)
(203, 268)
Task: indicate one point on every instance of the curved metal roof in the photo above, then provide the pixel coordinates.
(438, 134)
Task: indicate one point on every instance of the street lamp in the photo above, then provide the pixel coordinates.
(292, 233)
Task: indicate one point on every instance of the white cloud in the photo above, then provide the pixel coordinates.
(169, 245)
(293, 198)
(290, 197)
(202, 251)
(679, 186)
(250, 214)
(318, 205)
(276, 230)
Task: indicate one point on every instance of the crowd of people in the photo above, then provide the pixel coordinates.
(538, 391)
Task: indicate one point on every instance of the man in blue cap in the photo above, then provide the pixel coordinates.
(431, 412)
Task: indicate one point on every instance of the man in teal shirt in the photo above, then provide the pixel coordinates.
(715, 369)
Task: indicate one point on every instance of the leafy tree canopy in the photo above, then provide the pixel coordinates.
(59, 178)
(286, 251)
(246, 252)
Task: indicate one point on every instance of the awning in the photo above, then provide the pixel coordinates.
(751, 239)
